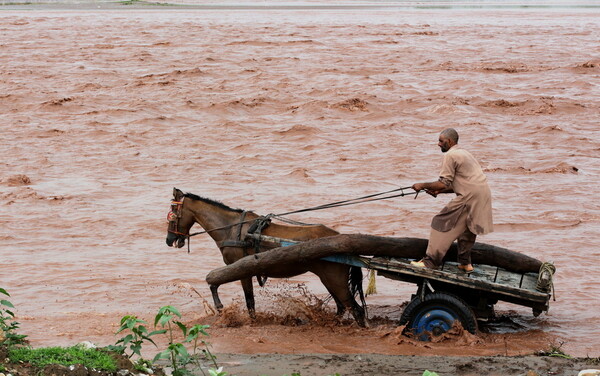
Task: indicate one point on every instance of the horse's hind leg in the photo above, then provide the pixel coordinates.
(249, 295)
(335, 280)
(358, 313)
(215, 295)
(338, 304)
(340, 307)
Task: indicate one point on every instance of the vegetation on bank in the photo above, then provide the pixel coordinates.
(14, 347)
(66, 356)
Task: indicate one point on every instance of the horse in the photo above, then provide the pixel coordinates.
(228, 227)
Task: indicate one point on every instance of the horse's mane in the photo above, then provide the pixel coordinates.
(211, 202)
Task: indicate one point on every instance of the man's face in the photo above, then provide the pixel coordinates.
(444, 144)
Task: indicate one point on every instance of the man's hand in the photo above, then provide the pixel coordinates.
(434, 188)
(432, 192)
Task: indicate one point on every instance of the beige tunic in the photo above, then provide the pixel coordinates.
(461, 172)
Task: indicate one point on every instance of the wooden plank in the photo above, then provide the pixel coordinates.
(506, 284)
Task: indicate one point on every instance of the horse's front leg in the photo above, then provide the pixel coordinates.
(249, 295)
(215, 295)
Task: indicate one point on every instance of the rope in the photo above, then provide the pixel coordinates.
(290, 221)
(372, 287)
(546, 284)
(358, 200)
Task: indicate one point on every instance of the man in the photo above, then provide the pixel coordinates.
(469, 214)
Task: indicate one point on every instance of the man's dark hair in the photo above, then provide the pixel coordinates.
(450, 133)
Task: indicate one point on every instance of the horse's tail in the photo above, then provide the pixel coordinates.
(355, 284)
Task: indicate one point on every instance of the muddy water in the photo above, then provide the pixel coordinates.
(102, 113)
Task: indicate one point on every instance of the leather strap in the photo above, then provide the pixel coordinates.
(239, 243)
(234, 243)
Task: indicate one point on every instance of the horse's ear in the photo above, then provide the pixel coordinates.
(175, 191)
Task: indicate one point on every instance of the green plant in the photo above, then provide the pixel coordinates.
(66, 356)
(176, 352)
(135, 339)
(555, 350)
(217, 372)
(8, 327)
(143, 365)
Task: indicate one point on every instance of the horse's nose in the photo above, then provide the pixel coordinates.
(170, 241)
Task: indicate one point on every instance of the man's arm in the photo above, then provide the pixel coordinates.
(433, 188)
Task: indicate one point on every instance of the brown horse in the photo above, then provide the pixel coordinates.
(228, 228)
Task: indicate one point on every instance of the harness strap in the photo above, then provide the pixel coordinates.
(255, 229)
(234, 243)
(239, 243)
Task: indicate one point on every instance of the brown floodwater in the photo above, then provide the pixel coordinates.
(103, 112)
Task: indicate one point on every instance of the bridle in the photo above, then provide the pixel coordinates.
(174, 216)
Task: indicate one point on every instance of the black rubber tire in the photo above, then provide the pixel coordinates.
(443, 302)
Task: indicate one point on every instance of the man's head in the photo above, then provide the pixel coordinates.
(448, 138)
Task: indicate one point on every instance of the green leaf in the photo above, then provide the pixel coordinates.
(151, 341)
(178, 349)
(130, 323)
(174, 311)
(140, 330)
(117, 349)
(164, 319)
(155, 332)
(3, 291)
(170, 310)
(6, 303)
(165, 354)
(128, 338)
(182, 327)
(136, 348)
(157, 318)
(220, 372)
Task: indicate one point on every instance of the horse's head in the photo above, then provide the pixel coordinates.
(180, 221)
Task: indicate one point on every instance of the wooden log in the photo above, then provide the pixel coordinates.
(367, 245)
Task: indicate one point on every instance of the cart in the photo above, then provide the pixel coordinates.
(447, 295)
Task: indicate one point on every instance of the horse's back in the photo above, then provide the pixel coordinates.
(300, 233)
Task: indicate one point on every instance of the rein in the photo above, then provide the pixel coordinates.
(358, 200)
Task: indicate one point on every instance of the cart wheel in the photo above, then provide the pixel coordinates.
(435, 315)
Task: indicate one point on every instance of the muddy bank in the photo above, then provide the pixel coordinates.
(373, 364)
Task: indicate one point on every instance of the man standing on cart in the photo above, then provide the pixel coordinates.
(469, 214)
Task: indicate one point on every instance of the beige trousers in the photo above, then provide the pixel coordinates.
(440, 242)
